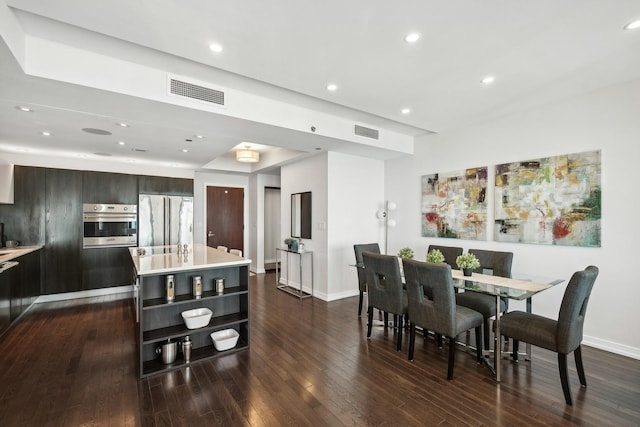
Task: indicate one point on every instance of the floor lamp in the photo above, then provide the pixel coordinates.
(388, 222)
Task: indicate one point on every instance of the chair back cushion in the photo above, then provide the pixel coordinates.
(359, 249)
(450, 253)
(384, 283)
(498, 262)
(424, 279)
(573, 309)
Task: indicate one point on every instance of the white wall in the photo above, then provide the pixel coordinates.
(604, 120)
(356, 192)
(308, 175)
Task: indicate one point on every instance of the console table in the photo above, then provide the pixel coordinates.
(280, 252)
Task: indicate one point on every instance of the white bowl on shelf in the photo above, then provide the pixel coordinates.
(225, 339)
(197, 318)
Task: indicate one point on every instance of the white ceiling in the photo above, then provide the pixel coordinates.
(539, 51)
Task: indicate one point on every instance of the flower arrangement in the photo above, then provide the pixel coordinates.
(405, 253)
(435, 256)
(467, 262)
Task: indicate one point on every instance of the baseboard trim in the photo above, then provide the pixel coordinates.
(84, 294)
(612, 347)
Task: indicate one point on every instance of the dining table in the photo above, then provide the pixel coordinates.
(520, 287)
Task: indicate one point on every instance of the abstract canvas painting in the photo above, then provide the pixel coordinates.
(454, 206)
(554, 200)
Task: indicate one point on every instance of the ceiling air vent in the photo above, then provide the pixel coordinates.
(366, 132)
(201, 93)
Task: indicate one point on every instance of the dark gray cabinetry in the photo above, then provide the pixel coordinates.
(105, 267)
(5, 300)
(25, 219)
(63, 244)
(161, 321)
(19, 287)
(103, 187)
(165, 185)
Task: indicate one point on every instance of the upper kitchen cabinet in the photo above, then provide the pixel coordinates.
(164, 185)
(24, 220)
(109, 188)
(64, 233)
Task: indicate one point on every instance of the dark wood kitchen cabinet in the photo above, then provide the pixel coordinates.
(103, 187)
(64, 231)
(105, 267)
(19, 286)
(165, 185)
(25, 219)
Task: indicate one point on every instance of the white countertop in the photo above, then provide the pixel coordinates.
(164, 259)
(8, 254)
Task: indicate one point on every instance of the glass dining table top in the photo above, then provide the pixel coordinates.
(519, 287)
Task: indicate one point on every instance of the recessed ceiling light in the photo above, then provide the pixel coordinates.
(184, 150)
(406, 110)
(488, 80)
(25, 109)
(632, 25)
(215, 47)
(122, 124)
(199, 136)
(412, 37)
(332, 87)
(45, 133)
(121, 143)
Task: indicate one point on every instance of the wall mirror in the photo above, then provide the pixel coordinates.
(301, 215)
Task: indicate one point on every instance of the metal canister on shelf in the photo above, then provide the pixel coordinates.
(220, 285)
(197, 286)
(186, 349)
(170, 288)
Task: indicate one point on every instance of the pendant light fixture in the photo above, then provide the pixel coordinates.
(247, 155)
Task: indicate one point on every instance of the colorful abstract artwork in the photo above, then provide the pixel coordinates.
(454, 206)
(555, 200)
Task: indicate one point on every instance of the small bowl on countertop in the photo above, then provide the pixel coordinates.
(225, 339)
(197, 318)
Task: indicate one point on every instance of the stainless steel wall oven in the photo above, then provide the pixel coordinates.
(109, 225)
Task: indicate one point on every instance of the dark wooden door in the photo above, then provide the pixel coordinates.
(225, 217)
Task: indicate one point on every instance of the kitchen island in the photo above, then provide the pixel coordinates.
(159, 312)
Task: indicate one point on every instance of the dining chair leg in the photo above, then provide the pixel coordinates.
(360, 303)
(562, 366)
(479, 344)
(577, 354)
(487, 334)
(400, 328)
(412, 340)
(452, 357)
(369, 321)
(439, 340)
(386, 319)
(514, 350)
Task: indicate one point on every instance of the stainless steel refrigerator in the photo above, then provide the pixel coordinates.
(164, 220)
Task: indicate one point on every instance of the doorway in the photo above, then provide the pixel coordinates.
(225, 217)
(271, 226)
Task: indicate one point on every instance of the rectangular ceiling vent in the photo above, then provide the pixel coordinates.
(367, 132)
(201, 93)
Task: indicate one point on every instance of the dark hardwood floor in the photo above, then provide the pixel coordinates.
(74, 364)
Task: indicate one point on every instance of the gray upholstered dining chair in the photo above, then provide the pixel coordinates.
(385, 290)
(562, 336)
(432, 305)
(495, 263)
(362, 276)
(450, 253)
